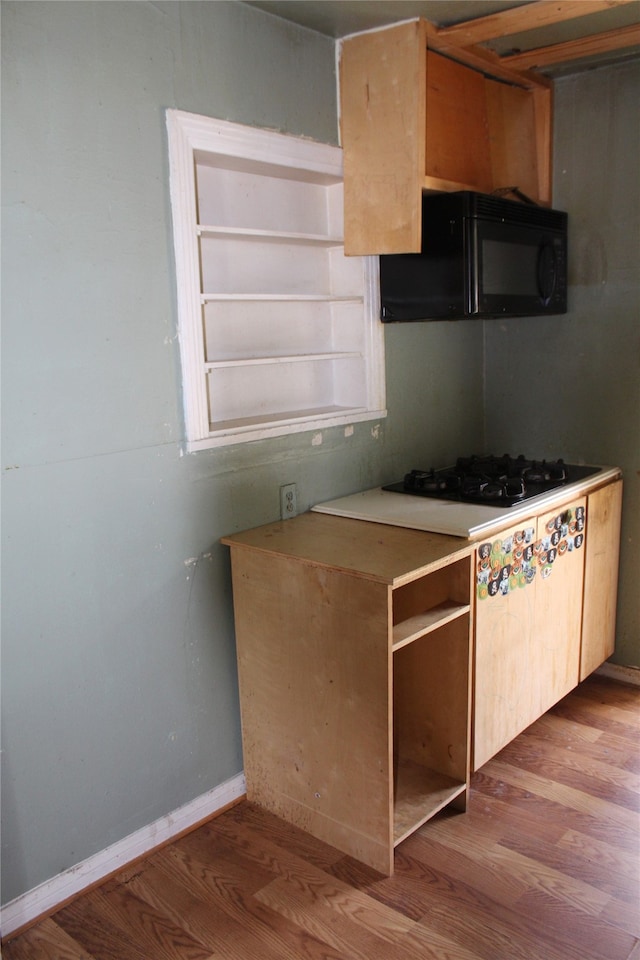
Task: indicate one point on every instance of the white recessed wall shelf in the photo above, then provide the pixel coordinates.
(279, 331)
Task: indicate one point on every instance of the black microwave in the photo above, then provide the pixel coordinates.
(482, 256)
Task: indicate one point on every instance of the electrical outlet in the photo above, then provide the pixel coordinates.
(288, 501)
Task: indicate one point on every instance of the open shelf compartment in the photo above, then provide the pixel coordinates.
(425, 604)
(419, 794)
(431, 686)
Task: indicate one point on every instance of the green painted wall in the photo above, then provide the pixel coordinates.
(119, 686)
(119, 690)
(570, 386)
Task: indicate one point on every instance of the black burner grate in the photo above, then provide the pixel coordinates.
(501, 481)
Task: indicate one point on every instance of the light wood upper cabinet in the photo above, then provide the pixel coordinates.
(383, 106)
(413, 120)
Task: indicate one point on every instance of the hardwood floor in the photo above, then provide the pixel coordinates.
(543, 866)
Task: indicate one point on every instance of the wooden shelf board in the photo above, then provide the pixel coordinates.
(294, 166)
(419, 794)
(438, 185)
(409, 630)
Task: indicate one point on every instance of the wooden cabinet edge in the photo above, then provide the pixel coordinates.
(543, 118)
(604, 513)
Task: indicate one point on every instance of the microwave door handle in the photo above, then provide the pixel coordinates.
(547, 272)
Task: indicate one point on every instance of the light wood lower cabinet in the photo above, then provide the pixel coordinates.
(354, 656)
(356, 643)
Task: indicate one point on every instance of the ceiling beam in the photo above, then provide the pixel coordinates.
(575, 49)
(530, 16)
(463, 41)
(486, 61)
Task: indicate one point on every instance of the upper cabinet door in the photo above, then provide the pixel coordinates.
(383, 109)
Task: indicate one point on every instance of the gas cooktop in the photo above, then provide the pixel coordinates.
(499, 481)
(437, 500)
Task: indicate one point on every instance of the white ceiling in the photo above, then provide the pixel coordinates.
(339, 18)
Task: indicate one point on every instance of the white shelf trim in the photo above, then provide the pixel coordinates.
(273, 419)
(262, 431)
(287, 297)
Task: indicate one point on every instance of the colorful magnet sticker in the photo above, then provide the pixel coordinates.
(506, 565)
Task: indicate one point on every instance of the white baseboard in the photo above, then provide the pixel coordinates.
(45, 898)
(53, 893)
(623, 674)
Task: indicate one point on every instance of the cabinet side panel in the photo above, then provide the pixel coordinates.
(513, 140)
(382, 127)
(457, 134)
(543, 109)
(601, 577)
(313, 659)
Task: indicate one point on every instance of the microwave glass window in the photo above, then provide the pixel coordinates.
(509, 268)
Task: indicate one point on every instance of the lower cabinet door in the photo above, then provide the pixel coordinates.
(505, 692)
(558, 610)
(528, 614)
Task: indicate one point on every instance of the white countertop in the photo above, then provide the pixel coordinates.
(469, 520)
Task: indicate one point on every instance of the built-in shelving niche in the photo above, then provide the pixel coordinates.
(279, 330)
